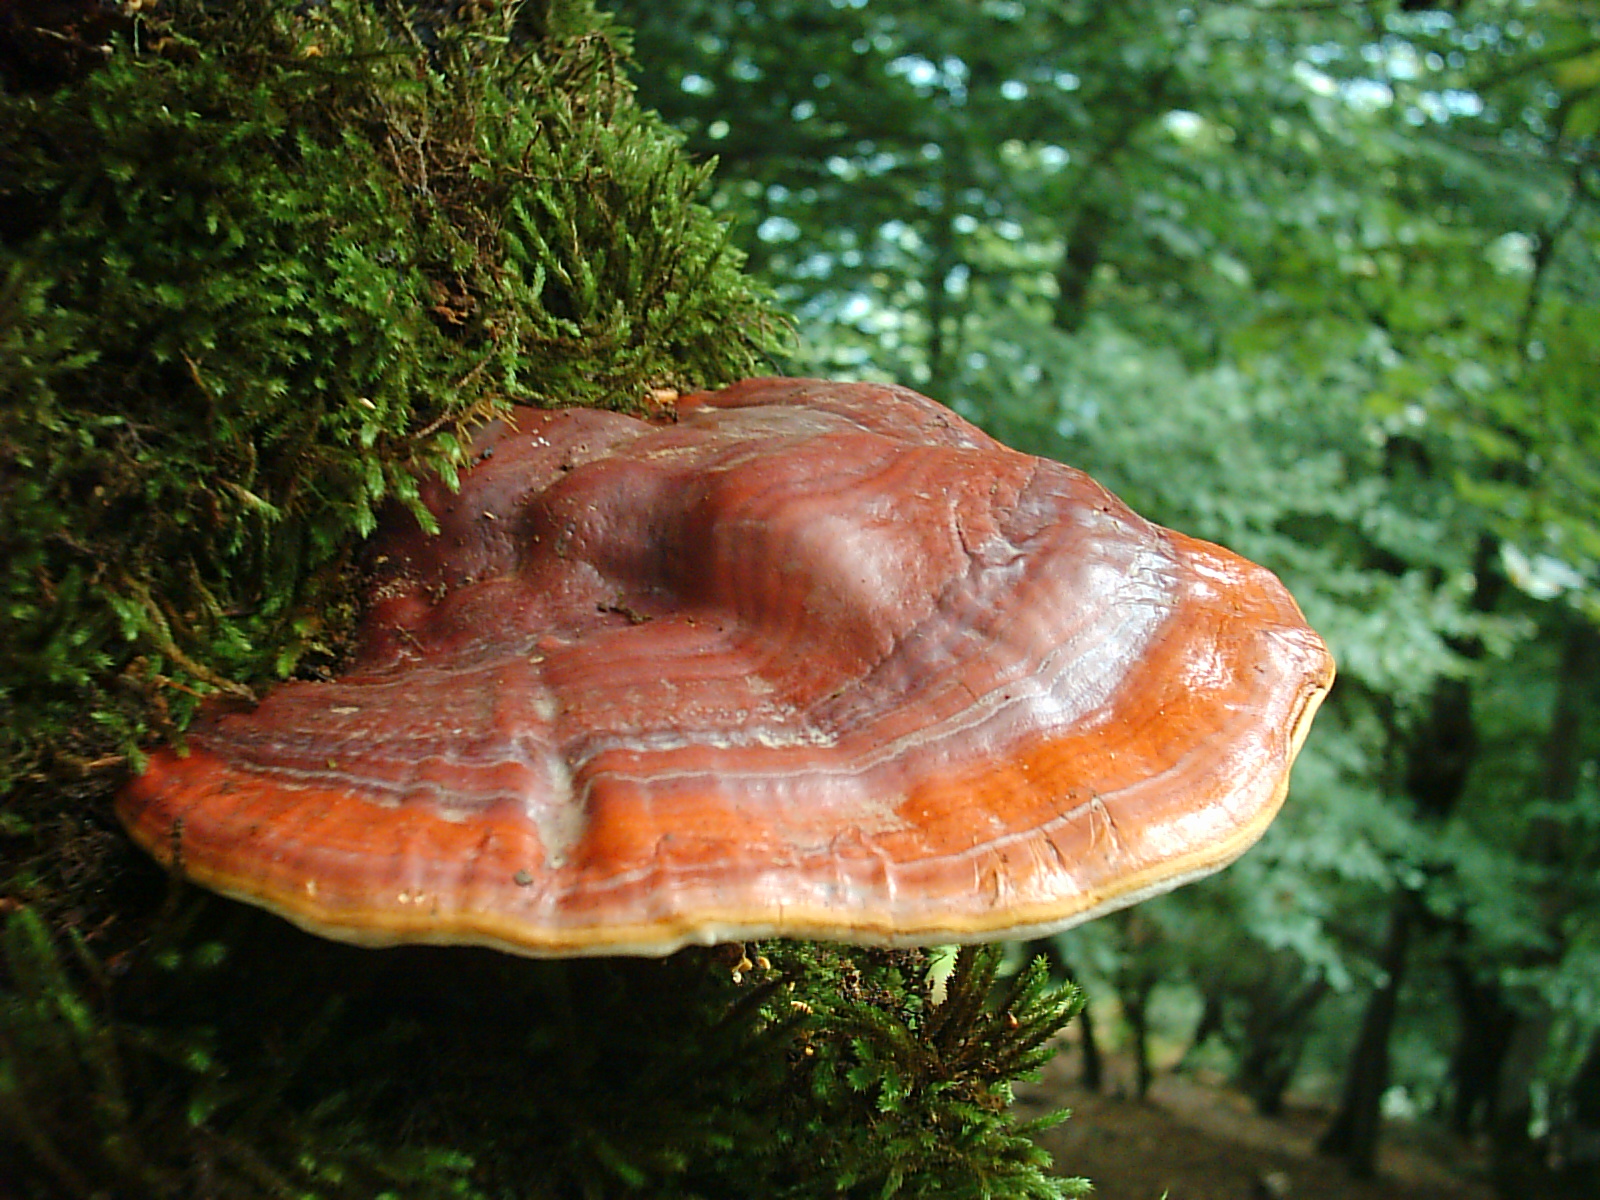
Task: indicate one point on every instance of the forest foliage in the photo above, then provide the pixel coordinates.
(1320, 282)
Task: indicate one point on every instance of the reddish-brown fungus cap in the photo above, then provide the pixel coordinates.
(818, 659)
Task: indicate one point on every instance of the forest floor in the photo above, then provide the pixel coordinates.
(1194, 1140)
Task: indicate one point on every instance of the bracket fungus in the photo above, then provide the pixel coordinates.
(813, 659)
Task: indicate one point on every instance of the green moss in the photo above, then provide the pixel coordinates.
(237, 1067)
(93, 1105)
(257, 272)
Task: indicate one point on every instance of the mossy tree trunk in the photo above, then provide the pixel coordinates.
(261, 267)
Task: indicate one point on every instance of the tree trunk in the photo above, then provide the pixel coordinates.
(1093, 1076)
(1211, 1023)
(1487, 1025)
(1136, 1010)
(1353, 1135)
(1085, 243)
(1275, 1036)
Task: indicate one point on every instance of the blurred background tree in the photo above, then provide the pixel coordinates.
(1319, 280)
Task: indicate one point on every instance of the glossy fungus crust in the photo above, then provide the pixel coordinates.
(813, 659)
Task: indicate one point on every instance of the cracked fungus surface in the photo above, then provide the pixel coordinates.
(814, 659)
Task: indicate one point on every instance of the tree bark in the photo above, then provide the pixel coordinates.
(1487, 1023)
(1275, 1036)
(1093, 1065)
(1085, 244)
(1211, 1023)
(1136, 1010)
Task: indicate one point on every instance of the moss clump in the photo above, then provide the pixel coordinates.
(257, 271)
(236, 1067)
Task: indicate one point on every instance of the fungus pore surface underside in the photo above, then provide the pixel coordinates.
(813, 659)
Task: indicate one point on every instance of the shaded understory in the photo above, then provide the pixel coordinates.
(1192, 1140)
